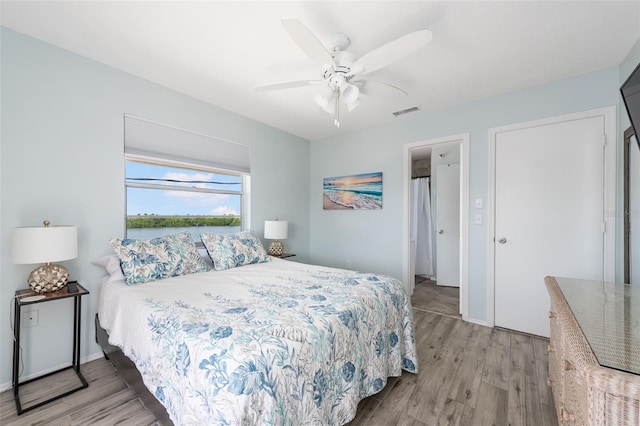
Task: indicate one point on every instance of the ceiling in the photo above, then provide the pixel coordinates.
(218, 51)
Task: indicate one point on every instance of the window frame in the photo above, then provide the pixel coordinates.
(245, 183)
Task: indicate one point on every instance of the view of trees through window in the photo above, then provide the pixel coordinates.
(165, 199)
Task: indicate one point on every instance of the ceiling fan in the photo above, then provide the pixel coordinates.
(342, 73)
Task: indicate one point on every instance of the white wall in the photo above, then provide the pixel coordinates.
(372, 240)
(62, 159)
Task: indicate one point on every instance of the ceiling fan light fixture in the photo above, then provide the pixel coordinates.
(321, 101)
(338, 67)
(349, 93)
(356, 69)
(327, 70)
(323, 96)
(330, 108)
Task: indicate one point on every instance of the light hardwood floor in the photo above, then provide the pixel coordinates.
(469, 375)
(429, 296)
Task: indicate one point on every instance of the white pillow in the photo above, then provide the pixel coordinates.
(111, 264)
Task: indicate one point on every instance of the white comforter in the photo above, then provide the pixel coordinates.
(276, 343)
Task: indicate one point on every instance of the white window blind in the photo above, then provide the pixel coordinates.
(148, 139)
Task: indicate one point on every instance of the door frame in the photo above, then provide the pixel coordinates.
(609, 187)
(626, 209)
(463, 139)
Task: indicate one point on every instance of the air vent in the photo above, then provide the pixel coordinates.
(406, 111)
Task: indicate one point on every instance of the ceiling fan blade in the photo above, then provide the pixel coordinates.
(288, 85)
(380, 89)
(393, 51)
(307, 41)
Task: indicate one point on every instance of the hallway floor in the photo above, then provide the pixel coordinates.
(428, 296)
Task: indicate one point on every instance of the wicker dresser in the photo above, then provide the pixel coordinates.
(594, 352)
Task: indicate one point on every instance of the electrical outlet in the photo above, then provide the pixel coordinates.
(348, 264)
(30, 318)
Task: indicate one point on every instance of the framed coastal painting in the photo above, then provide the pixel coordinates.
(354, 192)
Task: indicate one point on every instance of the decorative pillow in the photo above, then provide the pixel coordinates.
(144, 260)
(163, 257)
(183, 249)
(231, 250)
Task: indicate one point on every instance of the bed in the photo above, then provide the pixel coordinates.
(274, 343)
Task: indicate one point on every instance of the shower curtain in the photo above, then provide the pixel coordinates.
(421, 231)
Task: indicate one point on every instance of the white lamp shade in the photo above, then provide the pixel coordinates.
(275, 229)
(39, 244)
(349, 93)
(323, 96)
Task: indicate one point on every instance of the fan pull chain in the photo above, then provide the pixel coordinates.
(336, 120)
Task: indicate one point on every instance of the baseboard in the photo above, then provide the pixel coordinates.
(83, 360)
(479, 322)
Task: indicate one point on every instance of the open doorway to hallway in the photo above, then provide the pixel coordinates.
(435, 227)
(439, 283)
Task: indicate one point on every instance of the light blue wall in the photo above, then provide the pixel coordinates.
(62, 159)
(372, 240)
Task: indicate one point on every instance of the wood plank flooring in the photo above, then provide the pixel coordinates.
(107, 401)
(429, 296)
(469, 375)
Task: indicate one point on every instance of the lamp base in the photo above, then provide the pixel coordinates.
(47, 278)
(276, 248)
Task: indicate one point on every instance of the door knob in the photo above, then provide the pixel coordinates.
(441, 231)
(502, 240)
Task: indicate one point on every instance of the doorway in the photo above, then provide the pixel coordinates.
(460, 145)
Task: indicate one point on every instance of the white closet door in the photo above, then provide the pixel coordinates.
(548, 215)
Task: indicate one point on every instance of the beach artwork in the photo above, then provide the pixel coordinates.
(355, 192)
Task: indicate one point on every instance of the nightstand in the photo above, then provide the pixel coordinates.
(24, 298)
(285, 255)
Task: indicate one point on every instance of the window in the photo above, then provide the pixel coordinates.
(169, 197)
(178, 180)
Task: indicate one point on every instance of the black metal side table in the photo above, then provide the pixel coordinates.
(28, 297)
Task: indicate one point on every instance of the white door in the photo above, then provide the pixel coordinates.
(548, 215)
(448, 225)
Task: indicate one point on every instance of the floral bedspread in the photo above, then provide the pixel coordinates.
(276, 343)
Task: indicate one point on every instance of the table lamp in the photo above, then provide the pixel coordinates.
(275, 230)
(45, 244)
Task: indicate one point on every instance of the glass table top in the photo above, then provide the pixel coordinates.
(609, 316)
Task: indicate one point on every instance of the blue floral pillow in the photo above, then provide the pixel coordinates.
(158, 258)
(144, 260)
(183, 249)
(231, 250)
